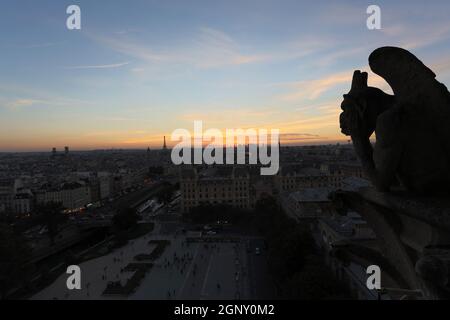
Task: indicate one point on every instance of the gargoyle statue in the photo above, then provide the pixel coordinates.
(412, 127)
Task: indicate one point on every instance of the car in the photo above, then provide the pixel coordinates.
(211, 233)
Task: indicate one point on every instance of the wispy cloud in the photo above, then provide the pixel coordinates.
(101, 66)
(17, 97)
(208, 48)
(34, 45)
(21, 103)
(412, 38)
(313, 89)
(222, 116)
(309, 90)
(291, 138)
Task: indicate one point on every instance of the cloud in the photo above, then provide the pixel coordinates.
(299, 137)
(313, 89)
(222, 116)
(339, 14)
(413, 37)
(309, 90)
(21, 103)
(334, 56)
(441, 66)
(104, 66)
(132, 49)
(35, 45)
(214, 48)
(119, 119)
(16, 97)
(427, 37)
(209, 48)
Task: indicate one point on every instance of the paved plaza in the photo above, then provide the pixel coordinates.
(195, 270)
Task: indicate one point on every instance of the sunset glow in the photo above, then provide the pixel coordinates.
(133, 74)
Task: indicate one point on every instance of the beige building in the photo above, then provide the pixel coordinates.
(295, 179)
(216, 185)
(309, 203)
(23, 202)
(8, 190)
(72, 196)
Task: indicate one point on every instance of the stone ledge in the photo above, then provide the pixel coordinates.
(432, 210)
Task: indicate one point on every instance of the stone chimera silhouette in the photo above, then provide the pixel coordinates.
(412, 127)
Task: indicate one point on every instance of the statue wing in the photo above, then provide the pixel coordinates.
(415, 88)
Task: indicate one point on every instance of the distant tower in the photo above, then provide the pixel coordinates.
(164, 145)
(66, 151)
(54, 152)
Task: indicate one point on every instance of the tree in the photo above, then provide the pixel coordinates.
(52, 216)
(165, 194)
(14, 257)
(314, 282)
(211, 213)
(155, 171)
(289, 250)
(125, 219)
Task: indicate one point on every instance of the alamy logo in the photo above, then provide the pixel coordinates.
(73, 22)
(374, 279)
(374, 20)
(259, 147)
(74, 280)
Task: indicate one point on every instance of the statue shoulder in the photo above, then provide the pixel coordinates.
(390, 127)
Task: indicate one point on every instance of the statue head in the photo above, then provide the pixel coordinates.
(362, 106)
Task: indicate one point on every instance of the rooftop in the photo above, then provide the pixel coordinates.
(311, 195)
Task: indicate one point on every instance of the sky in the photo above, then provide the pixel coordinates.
(137, 70)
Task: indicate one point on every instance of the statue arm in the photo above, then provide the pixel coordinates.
(380, 165)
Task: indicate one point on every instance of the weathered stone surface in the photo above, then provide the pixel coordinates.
(412, 127)
(414, 233)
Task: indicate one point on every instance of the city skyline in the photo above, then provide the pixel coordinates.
(133, 74)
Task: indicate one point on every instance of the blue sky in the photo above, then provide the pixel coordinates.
(137, 70)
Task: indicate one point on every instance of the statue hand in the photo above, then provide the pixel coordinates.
(344, 122)
(352, 125)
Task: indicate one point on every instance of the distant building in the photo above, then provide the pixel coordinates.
(295, 178)
(335, 229)
(23, 202)
(341, 232)
(215, 185)
(8, 191)
(309, 203)
(105, 186)
(72, 196)
(92, 186)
